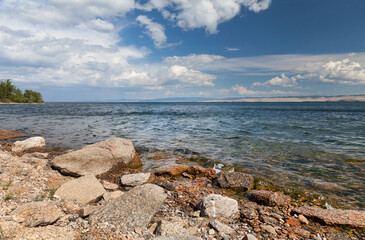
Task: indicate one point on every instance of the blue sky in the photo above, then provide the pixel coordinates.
(107, 50)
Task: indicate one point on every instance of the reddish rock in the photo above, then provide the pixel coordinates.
(334, 216)
(235, 180)
(7, 134)
(199, 171)
(269, 198)
(293, 222)
(172, 169)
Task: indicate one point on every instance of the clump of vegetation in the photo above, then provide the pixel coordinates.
(10, 93)
(51, 193)
(8, 197)
(7, 185)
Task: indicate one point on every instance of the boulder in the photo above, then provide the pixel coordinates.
(334, 216)
(8, 229)
(134, 209)
(217, 206)
(98, 158)
(37, 214)
(136, 179)
(269, 198)
(235, 180)
(49, 233)
(111, 195)
(34, 142)
(172, 230)
(171, 169)
(85, 190)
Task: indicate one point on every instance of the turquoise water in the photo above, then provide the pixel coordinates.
(312, 147)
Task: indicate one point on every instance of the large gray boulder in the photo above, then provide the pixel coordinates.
(217, 206)
(34, 142)
(236, 180)
(37, 214)
(98, 158)
(133, 209)
(334, 216)
(86, 189)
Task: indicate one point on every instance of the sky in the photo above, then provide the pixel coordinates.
(116, 50)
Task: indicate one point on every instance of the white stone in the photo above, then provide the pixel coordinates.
(135, 179)
(217, 206)
(29, 143)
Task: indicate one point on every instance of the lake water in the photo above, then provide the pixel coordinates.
(317, 148)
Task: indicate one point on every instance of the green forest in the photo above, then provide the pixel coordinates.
(11, 94)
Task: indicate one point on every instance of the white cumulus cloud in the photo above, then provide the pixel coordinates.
(154, 30)
(281, 80)
(342, 71)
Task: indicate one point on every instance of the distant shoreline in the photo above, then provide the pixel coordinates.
(297, 99)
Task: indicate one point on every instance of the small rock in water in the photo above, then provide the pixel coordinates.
(269, 198)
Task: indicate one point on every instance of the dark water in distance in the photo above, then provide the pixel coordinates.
(313, 147)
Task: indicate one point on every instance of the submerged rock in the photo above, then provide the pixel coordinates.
(37, 214)
(269, 198)
(34, 142)
(217, 206)
(85, 190)
(335, 216)
(135, 179)
(98, 158)
(7, 134)
(235, 180)
(134, 209)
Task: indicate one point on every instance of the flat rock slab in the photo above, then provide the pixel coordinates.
(34, 142)
(221, 227)
(269, 198)
(135, 179)
(46, 233)
(171, 169)
(217, 206)
(98, 158)
(334, 216)
(84, 190)
(134, 209)
(7, 134)
(173, 230)
(235, 180)
(37, 214)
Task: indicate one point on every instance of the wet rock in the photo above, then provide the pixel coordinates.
(167, 185)
(217, 206)
(249, 237)
(220, 227)
(98, 158)
(199, 171)
(7, 134)
(172, 230)
(34, 142)
(85, 190)
(136, 179)
(49, 233)
(37, 214)
(111, 195)
(133, 209)
(172, 169)
(269, 198)
(235, 180)
(335, 216)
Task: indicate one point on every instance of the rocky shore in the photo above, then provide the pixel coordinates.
(101, 192)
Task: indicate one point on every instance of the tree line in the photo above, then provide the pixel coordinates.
(10, 93)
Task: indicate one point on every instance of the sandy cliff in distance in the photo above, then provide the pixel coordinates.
(360, 98)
